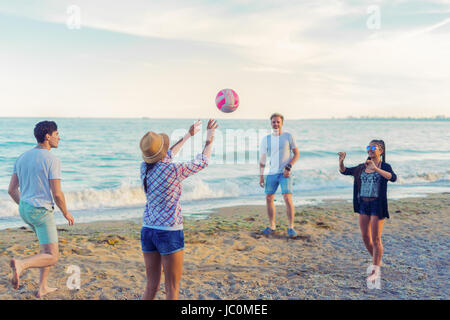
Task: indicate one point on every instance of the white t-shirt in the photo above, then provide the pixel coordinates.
(34, 168)
(280, 150)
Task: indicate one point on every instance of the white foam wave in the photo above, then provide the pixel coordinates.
(424, 177)
(331, 178)
(8, 208)
(130, 196)
(126, 195)
(195, 188)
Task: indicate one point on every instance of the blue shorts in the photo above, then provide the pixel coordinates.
(162, 241)
(273, 180)
(368, 207)
(41, 221)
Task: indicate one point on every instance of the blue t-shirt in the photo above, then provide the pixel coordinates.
(34, 168)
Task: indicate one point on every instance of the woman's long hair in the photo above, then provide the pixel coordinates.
(381, 144)
(148, 167)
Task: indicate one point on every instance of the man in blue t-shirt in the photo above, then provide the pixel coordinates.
(283, 152)
(37, 173)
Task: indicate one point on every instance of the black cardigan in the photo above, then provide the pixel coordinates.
(382, 191)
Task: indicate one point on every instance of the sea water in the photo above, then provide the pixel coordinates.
(101, 158)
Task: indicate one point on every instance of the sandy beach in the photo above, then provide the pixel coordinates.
(226, 257)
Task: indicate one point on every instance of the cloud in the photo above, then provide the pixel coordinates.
(319, 54)
(264, 31)
(265, 69)
(429, 28)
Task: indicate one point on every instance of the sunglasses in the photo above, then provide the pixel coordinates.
(373, 148)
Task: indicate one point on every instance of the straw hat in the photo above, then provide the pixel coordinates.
(154, 146)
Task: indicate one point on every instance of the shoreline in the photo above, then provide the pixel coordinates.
(226, 257)
(204, 213)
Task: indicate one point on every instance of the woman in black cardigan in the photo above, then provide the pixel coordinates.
(370, 199)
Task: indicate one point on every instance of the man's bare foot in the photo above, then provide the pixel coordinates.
(16, 269)
(43, 291)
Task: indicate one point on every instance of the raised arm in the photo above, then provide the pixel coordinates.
(186, 169)
(341, 161)
(60, 200)
(13, 189)
(211, 129)
(192, 130)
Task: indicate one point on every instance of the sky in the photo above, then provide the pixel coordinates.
(168, 59)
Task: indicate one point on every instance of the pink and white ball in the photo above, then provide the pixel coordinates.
(227, 100)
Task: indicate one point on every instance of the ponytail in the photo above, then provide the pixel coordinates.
(383, 155)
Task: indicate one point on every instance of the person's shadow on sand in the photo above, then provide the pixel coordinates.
(279, 235)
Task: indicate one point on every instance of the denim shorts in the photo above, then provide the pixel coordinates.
(369, 207)
(162, 241)
(273, 180)
(41, 221)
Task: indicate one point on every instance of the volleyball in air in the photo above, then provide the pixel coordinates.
(227, 100)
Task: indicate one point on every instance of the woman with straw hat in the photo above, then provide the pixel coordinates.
(162, 236)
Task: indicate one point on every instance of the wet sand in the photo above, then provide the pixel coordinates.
(226, 256)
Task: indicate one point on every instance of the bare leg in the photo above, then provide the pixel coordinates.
(16, 273)
(289, 209)
(376, 225)
(48, 257)
(51, 249)
(364, 225)
(173, 268)
(377, 228)
(271, 210)
(153, 271)
(43, 287)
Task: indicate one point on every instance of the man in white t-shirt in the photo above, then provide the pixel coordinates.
(283, 153)
(37, 173)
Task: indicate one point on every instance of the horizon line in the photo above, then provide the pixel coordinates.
(435, 117)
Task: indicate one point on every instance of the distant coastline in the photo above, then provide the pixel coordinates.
(435, 118)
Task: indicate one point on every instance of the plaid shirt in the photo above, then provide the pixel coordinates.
(163, 210)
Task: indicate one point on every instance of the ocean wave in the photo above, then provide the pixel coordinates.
(424, 177)
(16, 143)
(133, 195)
(317, 154)
(8, 208)
(125, 195)
(415, 151)
(202, 188)
(130, 196)
(197, 189)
